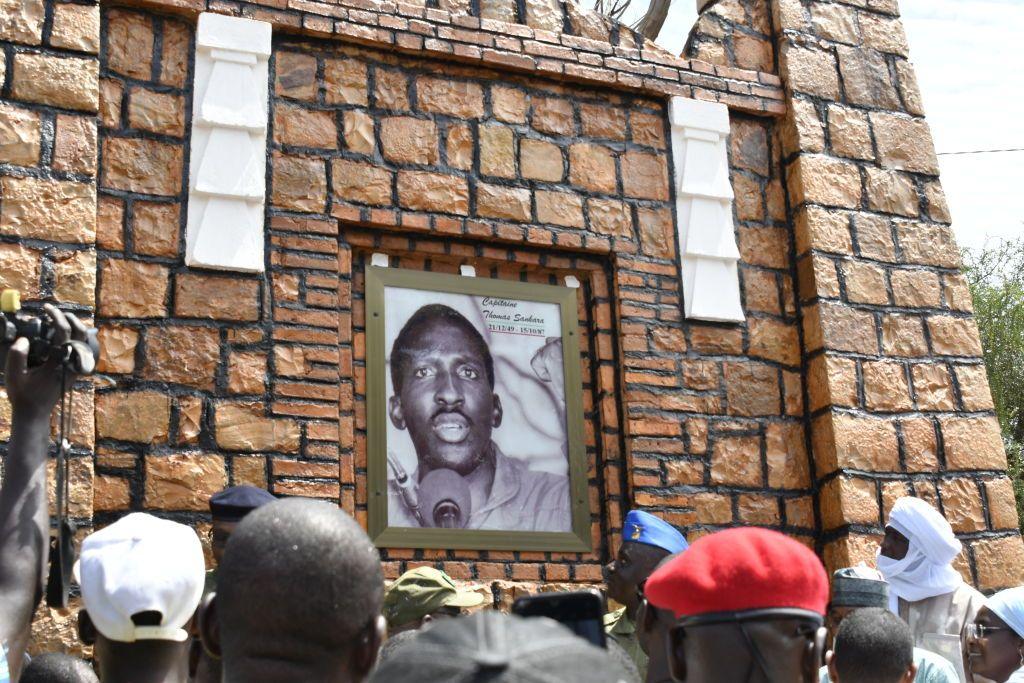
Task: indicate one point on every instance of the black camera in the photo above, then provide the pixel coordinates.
(40, 332)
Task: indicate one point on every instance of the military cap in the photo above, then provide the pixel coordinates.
(739, 570)
(643, 527)
(423, 590)
(235, 502)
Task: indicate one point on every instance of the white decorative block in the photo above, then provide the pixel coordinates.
(232, 33)
(707, 241)
(220, 247)
(227, 171)
(229, 164)
(466, 270)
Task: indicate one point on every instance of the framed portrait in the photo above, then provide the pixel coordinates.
(474, 414)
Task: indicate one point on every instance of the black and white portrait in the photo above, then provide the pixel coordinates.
(476, 433)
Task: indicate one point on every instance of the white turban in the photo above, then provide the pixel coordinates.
(926, 571)
(1008, 605)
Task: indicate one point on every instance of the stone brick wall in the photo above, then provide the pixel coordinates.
(211, 379)
(714, 412)
(543, 38)
(734, 33)
(445, 135)
(150, 401)
(898, 398)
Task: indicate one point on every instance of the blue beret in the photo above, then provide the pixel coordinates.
(643, 527)
(235, 502)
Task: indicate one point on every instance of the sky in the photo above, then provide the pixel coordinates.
(969, 59)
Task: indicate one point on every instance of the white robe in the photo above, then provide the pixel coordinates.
(945, 614)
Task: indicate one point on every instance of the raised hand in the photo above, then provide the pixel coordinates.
(35, 391)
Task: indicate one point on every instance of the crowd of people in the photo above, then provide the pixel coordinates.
(298, 594)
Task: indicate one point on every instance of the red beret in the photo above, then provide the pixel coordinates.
(738, 570)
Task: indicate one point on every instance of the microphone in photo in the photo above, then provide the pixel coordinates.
(444, 497)
(407, 488)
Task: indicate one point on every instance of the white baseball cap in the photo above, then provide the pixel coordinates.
(141, 564)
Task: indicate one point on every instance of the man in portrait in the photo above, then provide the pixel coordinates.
(443, 377)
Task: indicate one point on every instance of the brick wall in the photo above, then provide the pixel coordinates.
(181, 404)
(442, 138)
(714, 411)
(522, 178)
(899, 401)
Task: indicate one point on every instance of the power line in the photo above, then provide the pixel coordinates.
(982, 151)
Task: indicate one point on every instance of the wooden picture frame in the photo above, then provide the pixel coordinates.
(499, 308)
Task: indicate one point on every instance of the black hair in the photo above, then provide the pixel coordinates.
(873, 645)
(421, 321)
(300, 581)
(57, 667)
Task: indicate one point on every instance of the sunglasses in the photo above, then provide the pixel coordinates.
(982, 632)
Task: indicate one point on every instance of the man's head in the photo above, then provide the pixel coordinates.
(443, 377)
(299, 596)
(423, 595)
(57, 667)
(873, 646)
(646, 541)
(894, 544)
(913, 523)
(918, 550)
(995, 641)
(228, 507)
(750, 604)
(854, 588)
(141, 579)
(492, 647)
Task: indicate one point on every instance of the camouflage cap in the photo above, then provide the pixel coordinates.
(423, 590)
